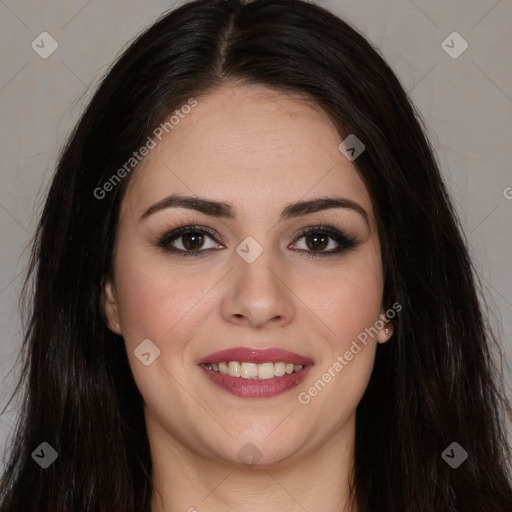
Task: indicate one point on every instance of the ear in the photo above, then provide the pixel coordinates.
(387, 330)
(110, 307)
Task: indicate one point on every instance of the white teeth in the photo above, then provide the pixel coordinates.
(249, 371)
(279, 369)
(254, 371)
(234, 369)
(266, 371)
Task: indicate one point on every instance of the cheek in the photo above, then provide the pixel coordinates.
(348, 300)
(154, 300)
(158, 303)
(346, 364)
(349, 303)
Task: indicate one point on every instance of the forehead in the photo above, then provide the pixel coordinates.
(253, 147)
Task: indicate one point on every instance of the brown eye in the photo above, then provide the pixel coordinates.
(189, 241)
(192, 241)
(316, 241)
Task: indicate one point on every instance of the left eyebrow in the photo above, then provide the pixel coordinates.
(323, 203)
(224, 210)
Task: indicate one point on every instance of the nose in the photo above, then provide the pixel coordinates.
(259, 293)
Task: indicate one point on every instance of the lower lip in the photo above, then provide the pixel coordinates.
(255, 388)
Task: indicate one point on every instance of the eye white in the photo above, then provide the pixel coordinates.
(326, 249)
(179, 241)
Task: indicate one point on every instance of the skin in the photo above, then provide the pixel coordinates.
(258, 150)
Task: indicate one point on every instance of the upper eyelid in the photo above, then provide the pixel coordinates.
(175, 233)
(199, 227)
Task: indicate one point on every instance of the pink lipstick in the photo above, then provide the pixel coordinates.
(255, 373)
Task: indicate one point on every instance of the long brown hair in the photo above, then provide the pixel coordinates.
(433, 384)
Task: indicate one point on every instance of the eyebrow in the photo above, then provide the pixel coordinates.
(224, 210)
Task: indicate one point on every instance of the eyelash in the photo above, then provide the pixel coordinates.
(344, 241)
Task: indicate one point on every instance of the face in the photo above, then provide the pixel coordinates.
(250, 274)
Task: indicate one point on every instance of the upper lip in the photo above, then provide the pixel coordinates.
(255, 355)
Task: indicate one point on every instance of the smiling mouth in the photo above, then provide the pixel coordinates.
(261, 371)
(254, 373)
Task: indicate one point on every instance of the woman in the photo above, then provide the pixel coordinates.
(251, 288)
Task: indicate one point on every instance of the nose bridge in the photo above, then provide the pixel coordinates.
(257, 290)
(254, 267)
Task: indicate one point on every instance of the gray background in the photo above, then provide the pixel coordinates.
(466, 103)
